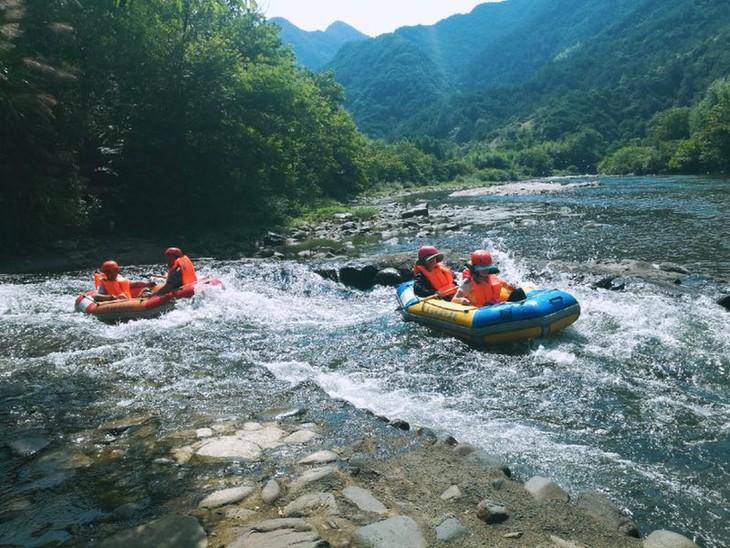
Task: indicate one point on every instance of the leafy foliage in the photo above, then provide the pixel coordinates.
(166, 116)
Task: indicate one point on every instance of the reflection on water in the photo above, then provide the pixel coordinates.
(632, 400)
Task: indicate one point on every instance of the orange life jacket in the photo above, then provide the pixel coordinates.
(440, 276)
(112, 287)
(186, 269)
(489, 291)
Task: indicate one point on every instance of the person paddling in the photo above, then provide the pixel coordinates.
(180, 272)
(431, 276)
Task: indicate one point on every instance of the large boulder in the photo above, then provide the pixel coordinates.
(358, 276)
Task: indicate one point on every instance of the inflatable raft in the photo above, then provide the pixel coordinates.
(139, 307)
(545, 311)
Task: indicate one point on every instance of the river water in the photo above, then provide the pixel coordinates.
(633, 400)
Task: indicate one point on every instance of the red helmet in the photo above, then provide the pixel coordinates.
(428, 252)
(174, 251)
(481, 258)
(106, 266)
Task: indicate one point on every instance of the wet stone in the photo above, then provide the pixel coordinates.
(178, 531)
(229, 447)
(28, 446)
(226, 496)
(310, 503)
(319, 457)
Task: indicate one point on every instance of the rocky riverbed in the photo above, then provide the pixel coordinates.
(430, 491)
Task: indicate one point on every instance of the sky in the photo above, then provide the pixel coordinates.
(371, 17)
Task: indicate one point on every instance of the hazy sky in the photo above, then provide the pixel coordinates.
(371, 17)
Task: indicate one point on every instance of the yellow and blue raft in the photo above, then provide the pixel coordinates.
(542, 313)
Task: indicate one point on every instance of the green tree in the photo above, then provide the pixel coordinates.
(711, 127)
(40, 190)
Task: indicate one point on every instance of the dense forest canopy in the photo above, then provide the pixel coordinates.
(162, 115)
(192, 116)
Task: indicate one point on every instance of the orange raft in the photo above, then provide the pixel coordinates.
(139, 307)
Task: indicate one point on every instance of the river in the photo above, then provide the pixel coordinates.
(632, 400)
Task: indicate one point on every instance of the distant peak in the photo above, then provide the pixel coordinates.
(338, 25)
(342, 28)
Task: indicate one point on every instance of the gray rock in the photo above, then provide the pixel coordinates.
(673, 267)
(364, 500)
(300, 437)
(280, 414)
(600, 507)
(167, 532)
(122, 425)
(310, 476)
(452, 493)
(271, 238)
(225, 496)
(450, 530)
(311, 503)
(544, 489)
(266, 437)
(397, 532)
(480, 456)
(231, 448)
(389, 277)
(358, 276)
(418, 211)
(612, 283)
(319, 457)
(464, 449)
(400, 424)
(667, 539)
(491, 512)
(271, 491)
(280, 533)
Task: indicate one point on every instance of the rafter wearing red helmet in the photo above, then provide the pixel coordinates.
(109, 284)
(481, 286)
(180, 271)
(431, 276)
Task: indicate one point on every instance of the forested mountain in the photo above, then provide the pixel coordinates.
(314, 49)
(504, 61)
(509, 41)
(409, 75)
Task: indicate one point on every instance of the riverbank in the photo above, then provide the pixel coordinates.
(430, 490)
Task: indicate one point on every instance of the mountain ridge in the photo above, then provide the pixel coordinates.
(314, 49)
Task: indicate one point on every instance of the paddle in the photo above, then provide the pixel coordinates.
(434, 296)
(440, 294)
